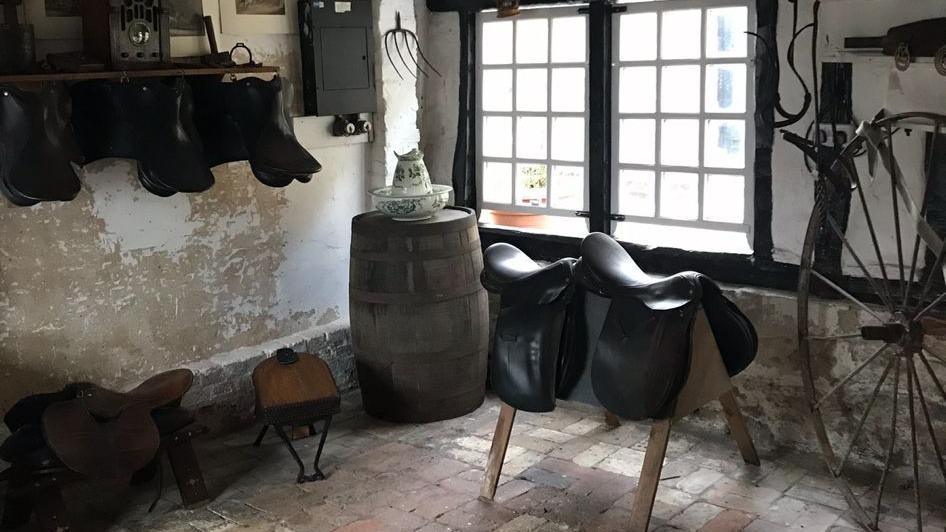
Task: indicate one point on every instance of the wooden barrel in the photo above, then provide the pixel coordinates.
(419, 315)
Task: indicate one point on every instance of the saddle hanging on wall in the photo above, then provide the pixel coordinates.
(149, 121)
(246, 121)
(37, 146)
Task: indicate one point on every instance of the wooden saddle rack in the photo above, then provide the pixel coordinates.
(666, 347)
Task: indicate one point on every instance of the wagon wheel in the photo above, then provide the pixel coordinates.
(874, 377)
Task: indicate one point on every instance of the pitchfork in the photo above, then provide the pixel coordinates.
(408, 37)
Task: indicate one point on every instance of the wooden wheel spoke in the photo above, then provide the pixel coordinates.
(847, 295)
(885, 295)
(830, 338)
(934, 327)
(916, 241)
(929, 422)
(890, 447)
(860, 423)
(929, 279)
(894, 185)
(850, 376)
(929, 369)
(870, 223)
(916, 453)
(928, 308)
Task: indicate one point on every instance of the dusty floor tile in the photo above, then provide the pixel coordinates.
(582, 427)
(696, 515)
(626, 462)
(728, 521)
(595, 454)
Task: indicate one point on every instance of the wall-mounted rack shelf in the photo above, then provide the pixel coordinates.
(129, 74)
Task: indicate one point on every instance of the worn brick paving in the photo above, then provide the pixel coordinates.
(565, 471)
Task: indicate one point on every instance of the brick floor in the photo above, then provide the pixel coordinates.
(565, 470)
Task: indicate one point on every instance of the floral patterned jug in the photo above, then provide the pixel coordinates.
(410, 175)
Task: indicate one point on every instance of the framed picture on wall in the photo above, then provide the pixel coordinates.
(186, 17)
(242, 17)
(55, 19)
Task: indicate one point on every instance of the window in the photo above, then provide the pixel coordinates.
(533, 120)
(683, 130)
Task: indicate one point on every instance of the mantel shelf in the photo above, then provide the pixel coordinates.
(128, 74)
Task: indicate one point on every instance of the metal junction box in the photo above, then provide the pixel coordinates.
(337, 57)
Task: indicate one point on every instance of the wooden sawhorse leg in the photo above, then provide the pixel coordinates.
(497, 451)
(657, 450)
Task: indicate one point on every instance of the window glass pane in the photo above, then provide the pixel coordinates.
(568, 187)
(497, 182)
(680, 89)
(680, 34)
(725, 144)
(497, 136)
(638, 37)
(637, 141)
(692, 238)
(532, 41)
(532, 89)
(568, 89)
(724, 198)
(726, 88)
(680, 142)
(726, 31)
(531, 182)
(497, 43)
(636, 193)
(638, 90)
(568, 40)
(531, 137)
(568, 138)
(497, 90)
(679, 196)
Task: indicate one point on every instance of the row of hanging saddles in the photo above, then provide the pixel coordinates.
(175, 129)
(640, 360)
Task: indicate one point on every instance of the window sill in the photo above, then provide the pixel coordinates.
(736, 269)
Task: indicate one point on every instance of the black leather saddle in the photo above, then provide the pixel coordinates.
(528, 356)
(246, 121)
(642, 356)
(149, 121)
(37, 146)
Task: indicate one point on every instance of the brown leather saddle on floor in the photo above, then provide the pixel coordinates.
(96, 432)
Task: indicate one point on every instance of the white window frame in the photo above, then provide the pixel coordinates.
(549, 13)
(660, 6)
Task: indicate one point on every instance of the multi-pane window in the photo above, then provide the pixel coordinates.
(683, 125)
(533, 112)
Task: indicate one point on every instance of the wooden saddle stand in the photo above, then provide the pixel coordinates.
(706, 381)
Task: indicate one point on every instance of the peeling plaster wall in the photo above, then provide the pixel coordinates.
(119, 284)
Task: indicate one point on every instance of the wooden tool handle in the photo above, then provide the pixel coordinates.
(211, 35)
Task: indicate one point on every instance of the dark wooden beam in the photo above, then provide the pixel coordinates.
(480, 5)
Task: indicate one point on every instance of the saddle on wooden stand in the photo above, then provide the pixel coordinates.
(296, 390)
(667, 347)
(86, 432)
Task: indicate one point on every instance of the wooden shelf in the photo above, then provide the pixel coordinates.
(128, 74)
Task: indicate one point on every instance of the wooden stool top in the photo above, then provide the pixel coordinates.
(295, 393)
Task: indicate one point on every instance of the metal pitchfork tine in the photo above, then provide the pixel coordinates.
(408, 37)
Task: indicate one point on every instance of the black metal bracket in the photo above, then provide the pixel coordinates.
(301, 477)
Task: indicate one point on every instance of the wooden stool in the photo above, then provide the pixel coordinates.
(295, 390)
(706, 381)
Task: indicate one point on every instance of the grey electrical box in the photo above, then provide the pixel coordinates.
(337, 57)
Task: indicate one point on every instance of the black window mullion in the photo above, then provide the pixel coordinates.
(599, 115)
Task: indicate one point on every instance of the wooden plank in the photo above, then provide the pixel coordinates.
(738, 428)
(708, 378)
(650, 475)
(128, 74)
(497, 451)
